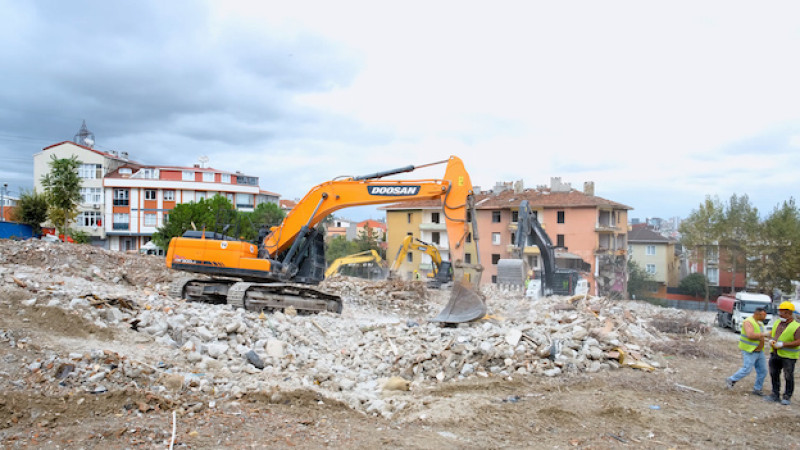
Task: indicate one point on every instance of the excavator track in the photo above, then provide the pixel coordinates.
(279, 296)
(256, 296)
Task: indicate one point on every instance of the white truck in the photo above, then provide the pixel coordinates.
(731, 311)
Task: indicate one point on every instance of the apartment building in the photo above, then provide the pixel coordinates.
(588, 232)
(656, 255)
(142, 197)
(124, 202)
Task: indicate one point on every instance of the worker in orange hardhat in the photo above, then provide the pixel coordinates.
(785, 344)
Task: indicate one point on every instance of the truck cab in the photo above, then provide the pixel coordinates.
(732, 311)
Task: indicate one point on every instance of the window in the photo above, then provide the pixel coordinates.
(435, 237)
(169, 196)
(121, 221)
(125, 171)
(495, 258)
(149, 220)
(90, 171)
(149, 194)
(651, 268)
(469, 238)
(225, 177)
(244, 200)
(208, 177)
(468, 258)
(713, 275)
(495, 216)
(252, 181)
(120, 197)
(229, 196)
(89, 219)
(408, 217)
(200, 195)
(149, 173)
(435, 217)
(515, 216)
(92, 195)
(495, 238)
(410, 257)
(560, 241)
(469, 216)
(560, 215)
(188, 175)
(650, 250)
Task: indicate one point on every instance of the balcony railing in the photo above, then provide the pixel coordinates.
(432, 226)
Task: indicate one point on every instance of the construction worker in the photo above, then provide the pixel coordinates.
(784, 343)
(528, 279)
(751, 343)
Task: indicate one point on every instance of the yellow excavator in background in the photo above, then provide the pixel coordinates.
(281, 270)
(442, 271)
(376, 269)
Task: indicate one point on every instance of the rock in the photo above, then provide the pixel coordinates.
(396, 384)
(275, 348)
(254, 359)
(171, 381)
(216, 349)
(513, 336)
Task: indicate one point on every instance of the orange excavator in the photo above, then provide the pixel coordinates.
(282, 270)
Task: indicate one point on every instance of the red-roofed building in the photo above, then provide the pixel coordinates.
(124, 202)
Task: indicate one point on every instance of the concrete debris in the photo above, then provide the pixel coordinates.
(383, 340)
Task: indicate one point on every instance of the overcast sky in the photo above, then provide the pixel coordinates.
(660, 104)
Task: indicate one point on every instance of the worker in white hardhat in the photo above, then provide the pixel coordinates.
(785, 344)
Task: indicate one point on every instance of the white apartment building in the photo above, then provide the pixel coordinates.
(124, 202)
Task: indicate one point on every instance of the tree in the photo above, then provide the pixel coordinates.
(640, 283)
(701, 232)
(367, 239)
(267, 214)
(339, 246)
(694, 284)
(209, 214)
(62, 186)
(779, 250)
(738, 231)
(32, 210)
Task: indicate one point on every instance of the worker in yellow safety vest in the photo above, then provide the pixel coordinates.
(751, 343)
(785, 345)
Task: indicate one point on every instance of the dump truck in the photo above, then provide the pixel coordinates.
(732, 310)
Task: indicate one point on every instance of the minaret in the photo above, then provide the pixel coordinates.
(84, 136)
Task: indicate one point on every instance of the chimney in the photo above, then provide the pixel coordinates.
(519, 186)
(197, 166)
(124, 155)
(588, 188)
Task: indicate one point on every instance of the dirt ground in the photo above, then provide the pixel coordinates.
(682, 404)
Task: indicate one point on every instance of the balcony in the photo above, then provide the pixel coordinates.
(605, 227)
(432, 227)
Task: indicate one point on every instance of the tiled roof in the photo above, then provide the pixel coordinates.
(640, 234)
(372, 224)
(288, 204)
(106, 154)
(543, 199)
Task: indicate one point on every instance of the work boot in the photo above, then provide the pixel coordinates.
(772, 398)
(786, 402)
(729, 383)
(757, 393)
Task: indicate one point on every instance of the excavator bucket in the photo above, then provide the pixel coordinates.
(465, 305)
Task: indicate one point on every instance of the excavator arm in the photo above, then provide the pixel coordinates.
(411, 243)
(369, 256)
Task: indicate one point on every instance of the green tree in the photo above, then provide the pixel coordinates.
(694, 284)
(210, 214)
(339, 246)
(701, 233)
(368, 239)
(32, 210)
(267, 215)
(779, 250)
(62, 186)
(738, 231)
(640, 283)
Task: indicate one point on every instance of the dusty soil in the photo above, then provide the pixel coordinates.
(682, 404)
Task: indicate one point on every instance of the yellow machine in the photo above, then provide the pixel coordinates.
(441, 273)
(280, 271)
(367, 257)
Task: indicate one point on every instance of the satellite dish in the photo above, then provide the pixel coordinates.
(203, 160)
(88, 141)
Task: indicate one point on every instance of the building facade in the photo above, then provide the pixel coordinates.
(656, 255)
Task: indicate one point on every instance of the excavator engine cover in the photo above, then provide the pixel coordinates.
(465, 305)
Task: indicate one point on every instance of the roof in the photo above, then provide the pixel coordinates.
(269, 193)
(372, 224)
(640, 235)
(287, 204)
(106, 154)
(415, 204)
(136, 166)
(544, 198)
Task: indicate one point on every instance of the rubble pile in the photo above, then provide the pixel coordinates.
(187, 349)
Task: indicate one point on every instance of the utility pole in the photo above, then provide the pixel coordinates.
(3, 202)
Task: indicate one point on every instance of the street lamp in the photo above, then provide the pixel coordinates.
(3, 202)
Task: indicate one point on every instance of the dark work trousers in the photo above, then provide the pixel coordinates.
(777, 365)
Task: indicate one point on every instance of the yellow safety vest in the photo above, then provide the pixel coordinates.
(745, 343)
(787, 336)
